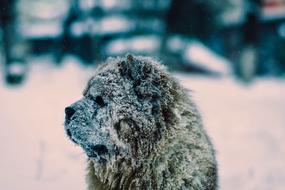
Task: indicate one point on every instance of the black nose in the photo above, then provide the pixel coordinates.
(69, 111)
(100, 149)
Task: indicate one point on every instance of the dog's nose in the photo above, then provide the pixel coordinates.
(69, 111)
(100, 149)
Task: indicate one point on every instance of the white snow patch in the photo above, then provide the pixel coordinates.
(35, 152)
(108, 25)
(195, 52)
(138, 44)
(41, 29)
(203, 56)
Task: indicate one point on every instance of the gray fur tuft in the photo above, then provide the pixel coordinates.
(141, 130)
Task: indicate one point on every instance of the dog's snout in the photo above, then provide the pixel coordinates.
(100, 149)
(69, 112)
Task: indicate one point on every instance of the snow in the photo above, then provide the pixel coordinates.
(115, 24)
(199, 54)
(38, 30)
(16, 68)
(42, 9)
(41, 18)
(245, 122)
(196, 53)
(107, 26)
(140, 44)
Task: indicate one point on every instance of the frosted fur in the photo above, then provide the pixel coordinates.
(150, 129)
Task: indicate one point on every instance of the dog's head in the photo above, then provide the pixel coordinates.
(126, 108)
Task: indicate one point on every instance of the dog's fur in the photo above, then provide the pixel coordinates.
(141, 130)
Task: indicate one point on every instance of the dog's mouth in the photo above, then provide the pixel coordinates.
(68, 133)
(98, 153)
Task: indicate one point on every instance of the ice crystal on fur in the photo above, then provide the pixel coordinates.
(140, 130)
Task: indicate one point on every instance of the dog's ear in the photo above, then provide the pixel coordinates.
(130, 58)
(127, 128)
(134, 68)
(126, 67)
(148, 81)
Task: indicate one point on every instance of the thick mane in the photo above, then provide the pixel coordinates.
(167, 147)
(140, 130)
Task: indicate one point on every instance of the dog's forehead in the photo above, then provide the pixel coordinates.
(103, 80)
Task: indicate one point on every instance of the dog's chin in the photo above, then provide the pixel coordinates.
(96, 158)
(88, 148)
(99, 160)
(94, 155)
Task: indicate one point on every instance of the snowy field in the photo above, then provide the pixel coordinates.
(246, 124)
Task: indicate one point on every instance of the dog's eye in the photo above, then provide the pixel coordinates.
(99, 100)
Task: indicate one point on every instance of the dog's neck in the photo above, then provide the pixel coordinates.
(171, 155)
(106, 178)
(145, 174)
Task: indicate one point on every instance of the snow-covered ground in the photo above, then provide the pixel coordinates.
(246, 124)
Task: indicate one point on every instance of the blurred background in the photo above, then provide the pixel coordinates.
(230, 53)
